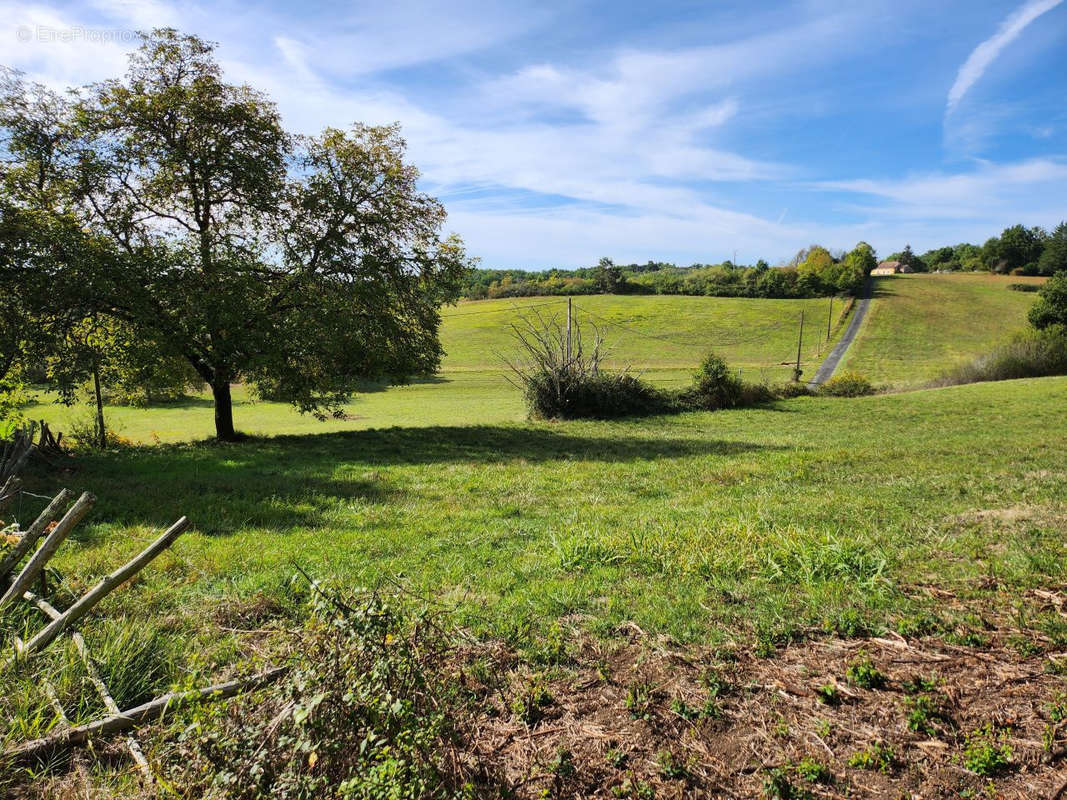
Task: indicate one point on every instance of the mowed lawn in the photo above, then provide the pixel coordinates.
(662, 338)
(815, 513)
(919, 326)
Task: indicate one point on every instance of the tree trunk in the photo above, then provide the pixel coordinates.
(224, 431)
(101, 429)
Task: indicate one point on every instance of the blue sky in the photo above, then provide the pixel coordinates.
(559, 132)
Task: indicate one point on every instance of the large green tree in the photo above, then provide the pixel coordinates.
(176, 203)
(1019, 248)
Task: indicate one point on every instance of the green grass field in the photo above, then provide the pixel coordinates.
(653, 334)
(661, 337)
(936, 513)
(813, 512)
(919, 326)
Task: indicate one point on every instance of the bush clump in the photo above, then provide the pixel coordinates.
(714, 385)
(785, 391)
(367, 710)
(1034, 354)
(847, 384)
(561, 377)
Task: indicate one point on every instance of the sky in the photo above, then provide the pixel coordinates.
(561, 131)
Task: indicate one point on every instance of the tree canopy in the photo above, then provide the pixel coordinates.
(176, 204)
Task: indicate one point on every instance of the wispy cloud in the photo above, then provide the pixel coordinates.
(994, 195)
(986, 53)
(553, 141)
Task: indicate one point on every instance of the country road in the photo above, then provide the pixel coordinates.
(827, 368)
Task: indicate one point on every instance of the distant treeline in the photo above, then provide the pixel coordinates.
(817, 273)
(813, 272)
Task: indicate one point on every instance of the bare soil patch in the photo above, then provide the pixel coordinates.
(641, 719)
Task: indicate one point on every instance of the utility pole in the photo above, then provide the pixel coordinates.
(830, 318)
(569, 330)
(800, 340)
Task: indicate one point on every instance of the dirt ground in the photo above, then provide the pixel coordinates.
(640, 719)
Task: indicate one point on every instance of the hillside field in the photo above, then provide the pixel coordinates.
(919, 326)
(681, 586)
(662, 338)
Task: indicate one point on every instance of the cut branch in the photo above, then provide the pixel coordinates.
(147, 712)
(8, 492)
(34, 532)
(102, 589)
(52, 542)
(98, 683)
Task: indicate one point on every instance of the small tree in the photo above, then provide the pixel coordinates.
(1019, 248)
(175, 202)
(608, 278)
(908, 258)
(1051, 306)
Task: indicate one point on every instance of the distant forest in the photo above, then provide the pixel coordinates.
(813, 272)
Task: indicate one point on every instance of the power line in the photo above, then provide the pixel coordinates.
(633, 330)
(501, 310)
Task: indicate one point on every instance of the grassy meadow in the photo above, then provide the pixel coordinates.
(918, 326)
(661, 337)
(812, 512)
(936, 513)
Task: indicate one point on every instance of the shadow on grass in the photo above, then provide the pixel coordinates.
(493, 444)
(883, 289)
(299, 481)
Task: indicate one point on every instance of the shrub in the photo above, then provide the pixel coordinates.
(1024, 287)
(847, 384)
(1035, 354)
(879, 756)
(1050, 310)
(367, 710)
(561, 382)
(987, 751)
(714, 385)
(863, 673)
(753, 394)
(785, 391)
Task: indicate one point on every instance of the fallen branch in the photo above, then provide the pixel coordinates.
(146, 712)
(34, 532)
(52, 542)
(101, 688)
(102, 589)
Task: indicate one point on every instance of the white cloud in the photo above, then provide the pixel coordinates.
(930, 209)
(59, 49)
(986, 53)
(630, 153)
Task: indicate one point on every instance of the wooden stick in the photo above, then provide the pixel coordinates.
(102, 589)
(8, 492)
(15, 456)
(34, 532)
(152, 710)
(53, 699)
(101, 688)
(37, 562)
